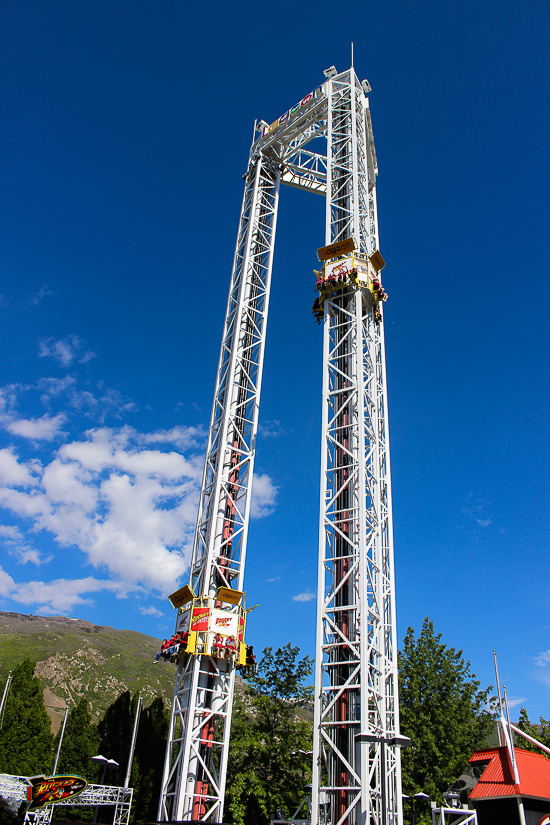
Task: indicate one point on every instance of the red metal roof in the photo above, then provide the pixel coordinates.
(498, 779)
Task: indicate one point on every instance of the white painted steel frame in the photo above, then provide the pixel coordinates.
(356, 668)
(196, 757)
(356, 779)
(453, 816)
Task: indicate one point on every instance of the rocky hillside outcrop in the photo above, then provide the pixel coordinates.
(76, 658)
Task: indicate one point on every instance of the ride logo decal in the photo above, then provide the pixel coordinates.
(49, 790)
(223, 622)
(200, 618)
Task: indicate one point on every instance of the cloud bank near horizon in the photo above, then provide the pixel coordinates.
(114, 499)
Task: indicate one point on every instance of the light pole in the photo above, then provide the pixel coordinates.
(107, 763)
(303, 753)
(419, 795)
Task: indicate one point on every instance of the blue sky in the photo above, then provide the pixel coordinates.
(126, 128)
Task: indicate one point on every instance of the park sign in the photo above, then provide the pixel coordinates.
(51, 789)
(290, 114)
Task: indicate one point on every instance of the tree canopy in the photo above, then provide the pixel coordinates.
(148, 765)
(25, 739)
(540, 732)
(270, 753)
(80, 742)
(443, 711)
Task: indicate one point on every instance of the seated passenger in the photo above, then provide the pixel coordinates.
(230, 647)
(218, 646)
(172, 646)
(250, 663)
(161, 651)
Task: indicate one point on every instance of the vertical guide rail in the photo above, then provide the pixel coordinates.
(356, 770)
(198, 741)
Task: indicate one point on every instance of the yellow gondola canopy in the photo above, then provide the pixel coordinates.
(333, 250)
(182, 596)
(377, 261)
(229, 596)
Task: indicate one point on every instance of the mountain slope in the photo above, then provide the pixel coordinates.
(76, 658)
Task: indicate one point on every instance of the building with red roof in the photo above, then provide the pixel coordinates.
(496, 795)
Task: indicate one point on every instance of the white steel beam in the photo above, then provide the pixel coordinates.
(196, 756)
(306, 170)
(356, 771)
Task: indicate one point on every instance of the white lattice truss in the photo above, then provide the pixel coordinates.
(14, 790)
(356, 779)
(453, 816)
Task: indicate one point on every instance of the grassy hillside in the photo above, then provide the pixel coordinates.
(76, 658)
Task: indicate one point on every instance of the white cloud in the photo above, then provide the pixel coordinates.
(121, 501)
(275, 579)
(271, 429)
(59, 595)
(52, 388)
(106, 403)
(150, 611)
(264, 494)
(65, 351)
(131, 511)
(37, 429)
(13, 473)
(8, 398)
(180, 437)
(514, 701)
(484, 522)
(43, 292)
(542, 659)
(16, 545)
(304, 597)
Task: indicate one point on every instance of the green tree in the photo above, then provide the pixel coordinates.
(443, 711)
(26, 738)
(148, 765)
(80, 743)
(267, 768)
(115, 732)
(541, 733)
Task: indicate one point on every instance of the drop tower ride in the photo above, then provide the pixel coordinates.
(322, 144)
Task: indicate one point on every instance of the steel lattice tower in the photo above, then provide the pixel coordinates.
(356, 770)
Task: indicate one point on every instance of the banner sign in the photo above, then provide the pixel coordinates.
(199, 620)
(291, 113)
(223, 622)
(49, 790)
